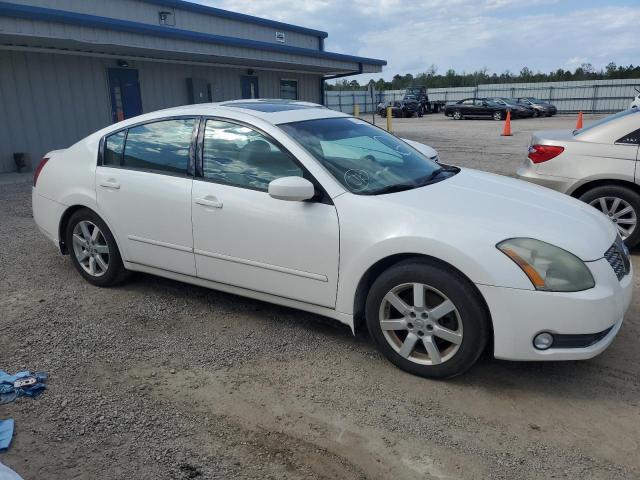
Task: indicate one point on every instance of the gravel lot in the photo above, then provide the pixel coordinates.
(155, 379)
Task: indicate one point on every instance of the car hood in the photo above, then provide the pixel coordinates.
(499, 208)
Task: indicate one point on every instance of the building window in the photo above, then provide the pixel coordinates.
(289, 89)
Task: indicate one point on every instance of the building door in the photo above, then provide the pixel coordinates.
(124, 89)
(249, 86)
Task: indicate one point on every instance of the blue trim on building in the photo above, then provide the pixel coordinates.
(241, 17)
(86, 20)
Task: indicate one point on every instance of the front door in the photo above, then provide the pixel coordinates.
(249, 85)
(125, 94)
(244, 237)
(143, 187)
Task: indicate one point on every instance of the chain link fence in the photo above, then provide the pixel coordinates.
(593, 96)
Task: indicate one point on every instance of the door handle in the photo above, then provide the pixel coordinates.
(111, 183)
(209, 201)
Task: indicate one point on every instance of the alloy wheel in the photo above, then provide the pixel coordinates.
(620, 212)
(497, 116)
(90, 248)
(457, 115)
(421, 323)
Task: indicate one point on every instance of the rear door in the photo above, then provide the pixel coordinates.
(466, 107)
(143, 185)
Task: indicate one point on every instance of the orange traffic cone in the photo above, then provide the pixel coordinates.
(579, 124)
(507, 125)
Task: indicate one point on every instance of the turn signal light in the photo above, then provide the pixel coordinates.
(38, 169)
(543, 153)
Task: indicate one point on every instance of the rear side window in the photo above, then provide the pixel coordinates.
(113, 148)
(632, 139)
(160, 146)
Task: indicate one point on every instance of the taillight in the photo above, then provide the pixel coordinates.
(542, 153)
(38, 169)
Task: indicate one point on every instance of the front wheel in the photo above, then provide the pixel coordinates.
(93, 249)
(621, 205)
(427, 319)
(497, 115)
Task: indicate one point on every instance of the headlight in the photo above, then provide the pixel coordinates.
(549, 268)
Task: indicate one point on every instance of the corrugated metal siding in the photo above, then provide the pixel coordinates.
(103, 40)
(148, 13)
(50, 101)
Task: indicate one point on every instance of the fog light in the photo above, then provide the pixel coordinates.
(543, 340)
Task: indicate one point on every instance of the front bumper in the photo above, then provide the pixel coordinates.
(528, 173)
(519, 315)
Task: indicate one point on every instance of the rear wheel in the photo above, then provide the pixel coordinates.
(457, 115)
(497, 115)
(621, 205)
(427, 319)
(93, 249)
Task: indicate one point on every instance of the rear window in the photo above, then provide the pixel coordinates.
(610, 118)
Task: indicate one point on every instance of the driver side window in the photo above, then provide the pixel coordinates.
(240, 156)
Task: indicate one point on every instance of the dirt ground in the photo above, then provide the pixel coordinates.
(159, 380)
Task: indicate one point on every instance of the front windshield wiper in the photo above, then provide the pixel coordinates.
(421, 182)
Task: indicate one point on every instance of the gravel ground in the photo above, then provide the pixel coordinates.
(155, 379)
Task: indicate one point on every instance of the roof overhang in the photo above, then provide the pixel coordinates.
(189, 46)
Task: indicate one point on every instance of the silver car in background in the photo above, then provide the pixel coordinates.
(596, 164)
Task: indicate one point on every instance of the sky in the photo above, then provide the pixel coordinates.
(466, 35)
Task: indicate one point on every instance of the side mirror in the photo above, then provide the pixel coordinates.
(292, 189)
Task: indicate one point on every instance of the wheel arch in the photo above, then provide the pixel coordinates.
(64, 222)
(383, 264)
(605, 182)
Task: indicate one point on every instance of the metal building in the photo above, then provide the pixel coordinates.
(70, 67)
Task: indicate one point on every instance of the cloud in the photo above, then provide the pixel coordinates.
(466, 35)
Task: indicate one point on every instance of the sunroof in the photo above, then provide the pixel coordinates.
(268, 106)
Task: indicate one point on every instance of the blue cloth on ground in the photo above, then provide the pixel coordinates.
(6, 433)
(8, 392)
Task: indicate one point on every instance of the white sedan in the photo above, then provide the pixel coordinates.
(298, 205)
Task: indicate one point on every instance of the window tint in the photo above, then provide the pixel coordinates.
(633, 138)
(237, 155)
(161, 146)
(468, 101)
(113, 147)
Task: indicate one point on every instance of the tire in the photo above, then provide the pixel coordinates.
(93, 251)
(536, 113)
(457, 115)
(467, 323)
(497, 116)
(628, 198)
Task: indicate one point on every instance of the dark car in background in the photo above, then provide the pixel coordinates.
(475, 108)
(517, 110)
(541, 108)
(407, 107)
(425, 105)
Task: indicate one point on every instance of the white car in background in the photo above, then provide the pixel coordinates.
(299, 205)
(597, 164)
(636, 102)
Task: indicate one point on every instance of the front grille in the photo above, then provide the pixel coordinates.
(615, 257)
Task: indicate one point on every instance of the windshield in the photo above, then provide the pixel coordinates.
(363, 158)
(608, 119)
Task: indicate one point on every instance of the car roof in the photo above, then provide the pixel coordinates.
(274, 111)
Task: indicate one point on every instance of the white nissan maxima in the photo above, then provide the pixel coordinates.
(298, 205)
